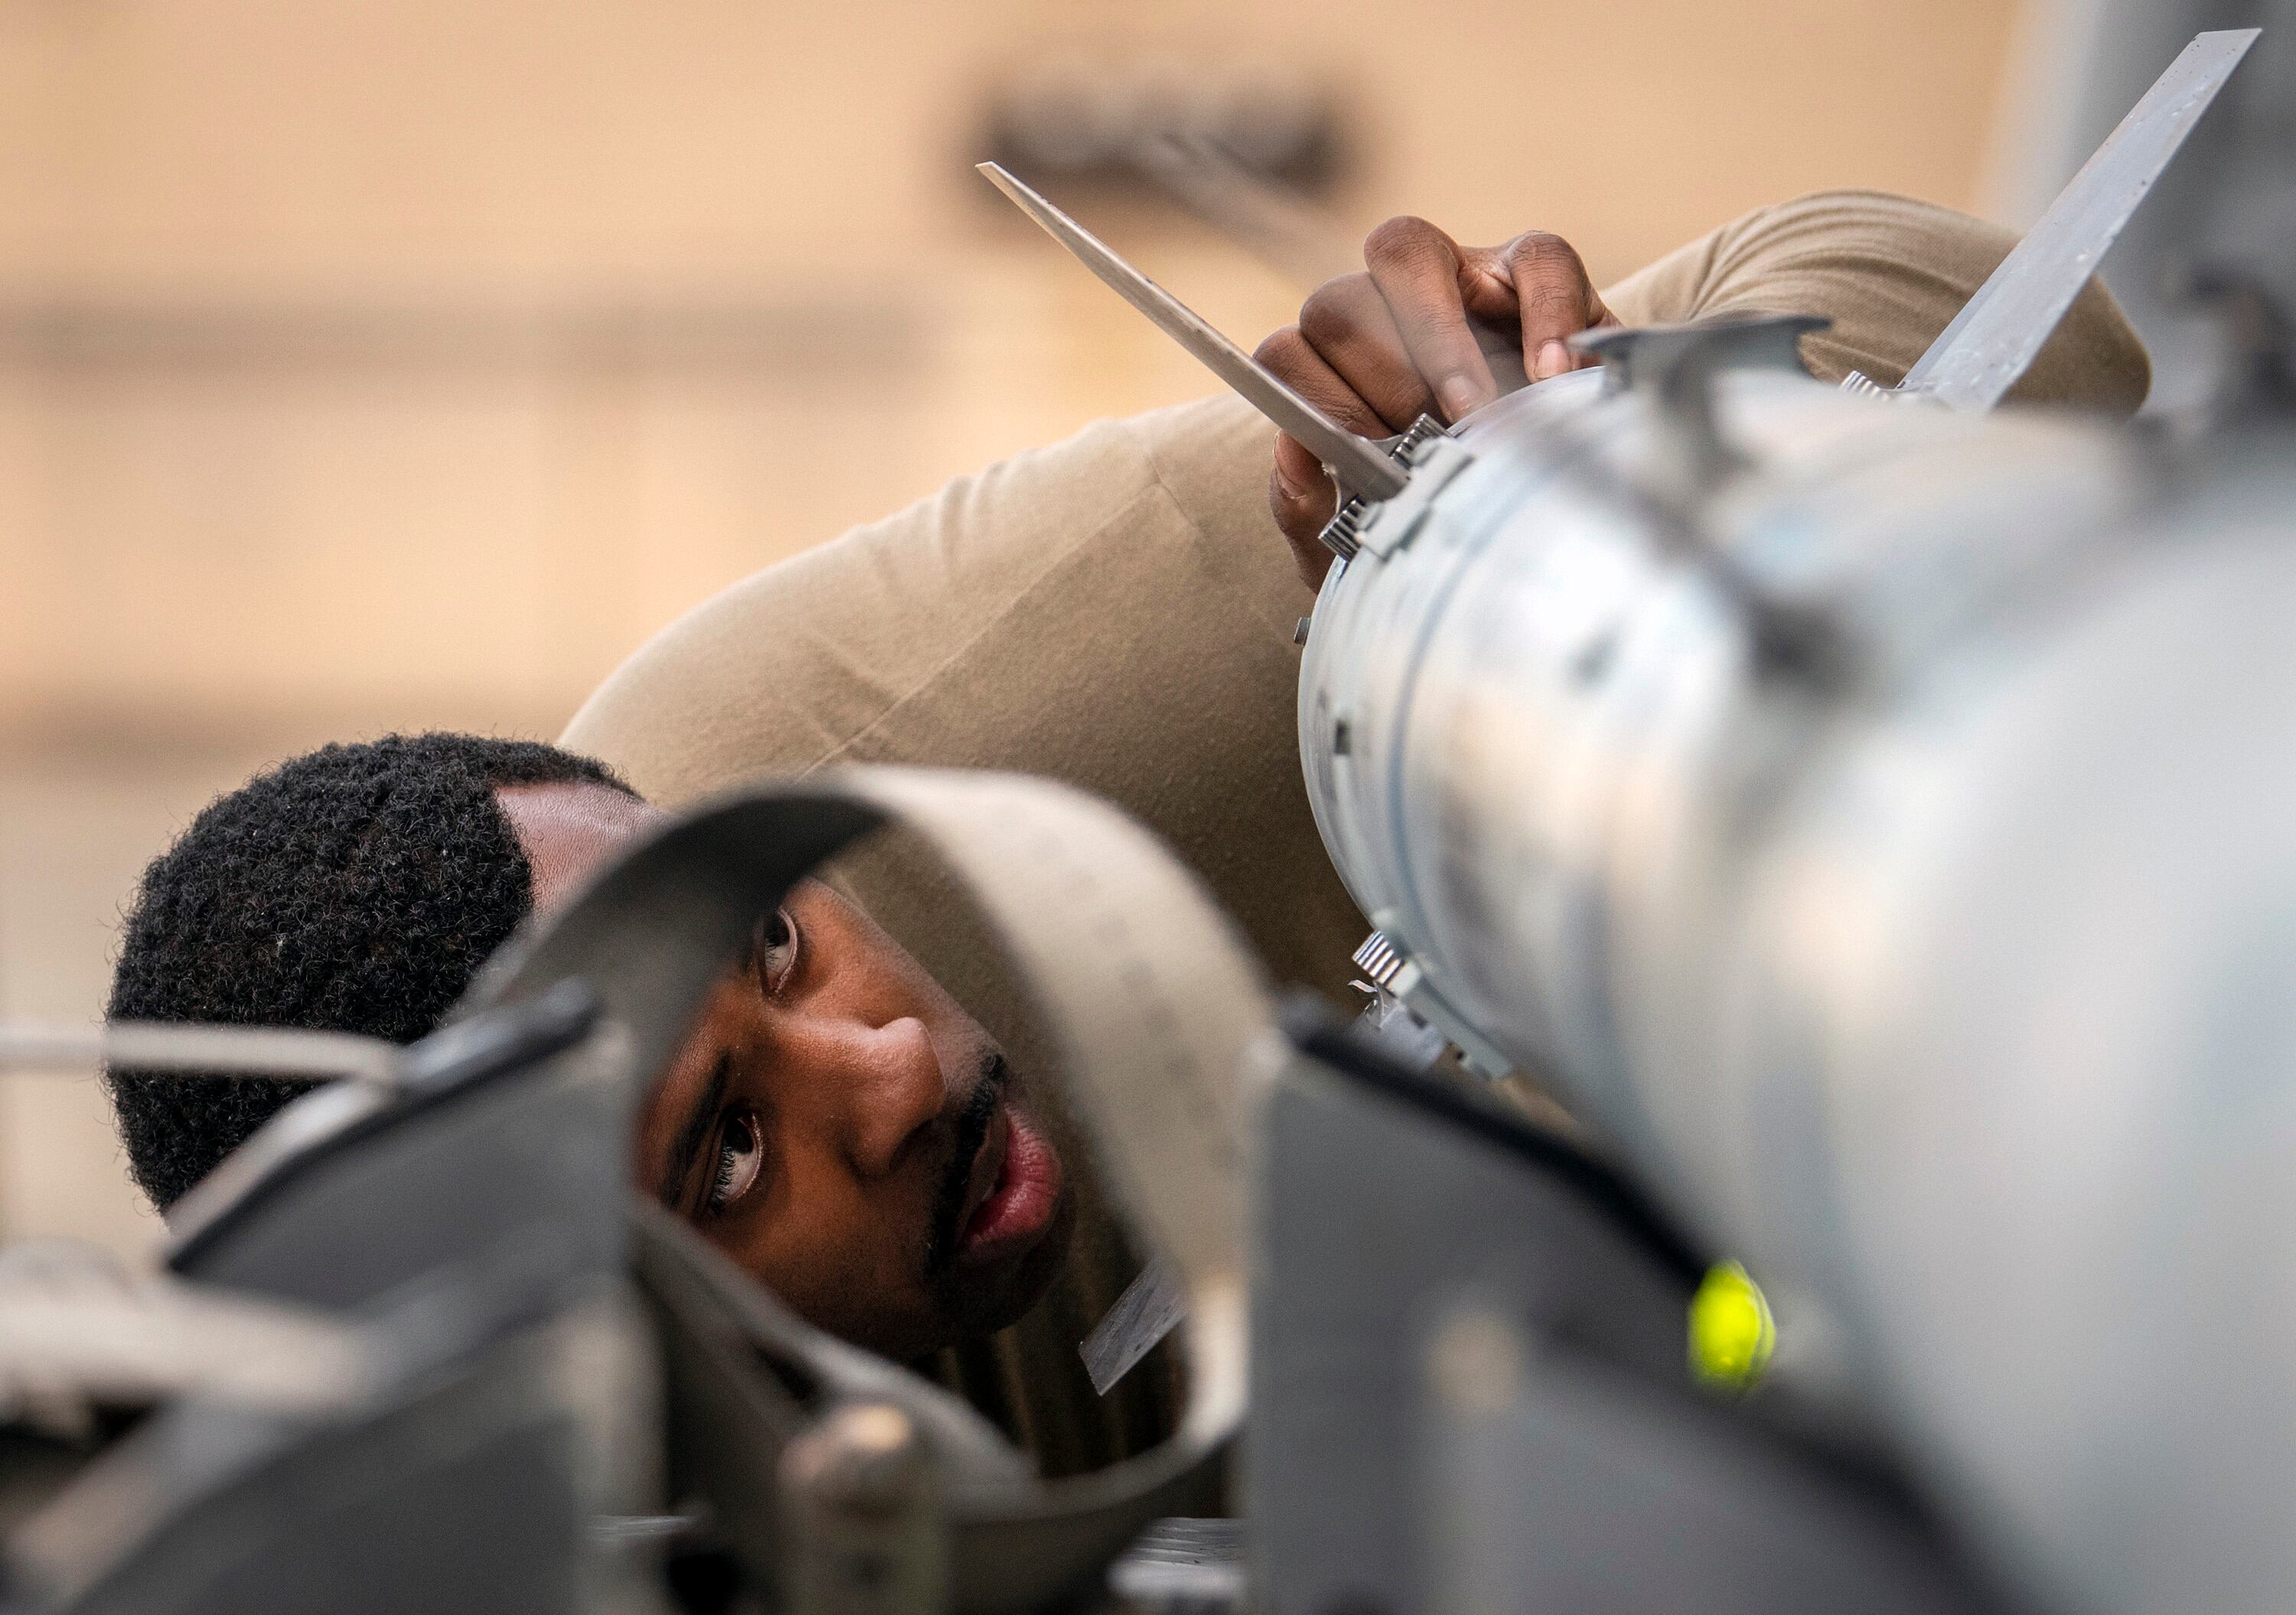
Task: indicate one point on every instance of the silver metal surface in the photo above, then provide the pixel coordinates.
(1400, 1034)
(152, 1047)
(1952, 994)
(1399, 1031)
(1150, 1308)
(1358, 466)
(1343, 534)
(1837, 965)
(1980, 355)
(78, 1336)
(1376, 957)
(1193, 1565)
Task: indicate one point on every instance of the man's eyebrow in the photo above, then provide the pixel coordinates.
(687, 1146)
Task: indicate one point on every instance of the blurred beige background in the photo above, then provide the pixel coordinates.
(370, 366)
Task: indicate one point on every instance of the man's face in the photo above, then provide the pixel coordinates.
(835, 1123)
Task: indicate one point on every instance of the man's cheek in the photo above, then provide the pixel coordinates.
(850, 1263)
(876, 1250)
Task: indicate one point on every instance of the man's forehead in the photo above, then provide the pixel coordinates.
(568, 829)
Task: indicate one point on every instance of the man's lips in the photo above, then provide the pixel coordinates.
(1017, 1180)
(987, 1166)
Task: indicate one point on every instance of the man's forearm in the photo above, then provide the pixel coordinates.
(1890, 274)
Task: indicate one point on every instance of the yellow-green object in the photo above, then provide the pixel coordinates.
(1731, 1330)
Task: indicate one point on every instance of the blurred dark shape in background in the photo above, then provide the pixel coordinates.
(1102, 122)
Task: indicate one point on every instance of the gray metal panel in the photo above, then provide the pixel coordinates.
(1370, 1210)
(464, 1490)
(1552, 1483)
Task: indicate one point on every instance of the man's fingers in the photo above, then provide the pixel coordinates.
(1303, 500)
(1417, 269)
(1347, 323)
(1553, 299)
(1375, 351)
(1487, 285)
(1297, 363)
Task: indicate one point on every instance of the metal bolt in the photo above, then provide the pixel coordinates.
(862, 1532)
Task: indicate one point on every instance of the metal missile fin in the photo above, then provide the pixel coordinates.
(1994, 339)
(1361, 469)
(1150, 1308)
(1676, 365)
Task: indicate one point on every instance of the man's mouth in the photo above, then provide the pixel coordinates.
(986, 1168)
(1021, 1195)
(1003, 1186)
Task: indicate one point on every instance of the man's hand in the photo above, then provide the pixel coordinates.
(1377, 350)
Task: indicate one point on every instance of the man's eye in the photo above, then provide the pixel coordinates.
(740, 1154)
(772, 951)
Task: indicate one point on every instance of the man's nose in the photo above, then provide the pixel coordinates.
(894, 1090)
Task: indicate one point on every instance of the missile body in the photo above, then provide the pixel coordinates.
(1946, 973)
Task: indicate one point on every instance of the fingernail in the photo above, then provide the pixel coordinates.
(1292, 490)
(1459, 397)
(1553, 360)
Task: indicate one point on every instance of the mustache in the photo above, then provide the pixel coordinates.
(970, 1132)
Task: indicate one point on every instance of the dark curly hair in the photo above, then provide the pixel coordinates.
(355, 889)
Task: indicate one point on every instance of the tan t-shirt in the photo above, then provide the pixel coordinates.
(1116, 611)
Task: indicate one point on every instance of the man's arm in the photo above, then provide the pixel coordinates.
(1115, 610)
(1890, 273)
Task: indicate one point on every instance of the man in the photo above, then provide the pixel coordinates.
(1110, 611)
(834, 1121)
